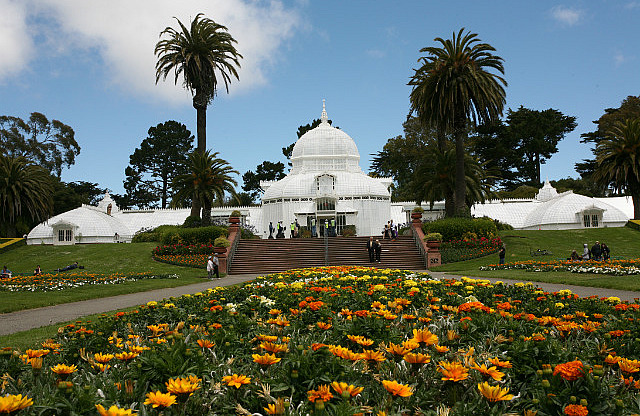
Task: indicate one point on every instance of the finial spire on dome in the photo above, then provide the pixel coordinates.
(324, 118)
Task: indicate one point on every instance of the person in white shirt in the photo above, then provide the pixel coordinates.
(216, 263)
(210, 267)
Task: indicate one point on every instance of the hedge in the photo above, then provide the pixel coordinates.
(456, 228)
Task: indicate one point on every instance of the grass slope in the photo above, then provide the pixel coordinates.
(97, 258)
(623, 242)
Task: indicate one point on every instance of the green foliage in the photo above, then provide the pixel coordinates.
(235, 213)
(266, 171)
(179, 235)
(50, 144)
(418, 210)
(160, 158)
(221, 242)
(192, 221)
(455, 228)
(433, 237)
(521, 192)
(349, 230)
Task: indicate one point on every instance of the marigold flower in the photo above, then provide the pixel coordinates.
(183, 385)
(266, 359)
(492, 371)
(63, 369)
(418, 358)
(14, 402)
(397, 389)
(424, 335)
(494, 393)
(453, 371)
(576, 410)
(323, 393)
(570, 371)
(114, 411)
(344, 388)
(236, 380)
(158, 398)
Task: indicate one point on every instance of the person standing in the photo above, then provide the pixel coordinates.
(371, 247)
(586, 253)
(596, 252)
(297, 229)
(606, 252)
(216, 263)
(210, 267)
(293, 229)
(270, 229)
(502, 253)
(333, 227)
(313, 227)
(378, 250)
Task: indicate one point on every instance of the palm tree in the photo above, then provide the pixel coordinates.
(209, 178)
(618, 160)
(198, 55)
(454, 88)
(25, 193)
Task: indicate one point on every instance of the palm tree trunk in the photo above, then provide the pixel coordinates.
(635, 198)
(200, 104)
(460, 183)
(206, 214)
(449, 200)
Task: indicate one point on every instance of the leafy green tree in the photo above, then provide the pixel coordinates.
(266, 171)
(25, 195)
(161, 157)
(71, 195)
(202, 55)
(241, 199)
(455, 87)
(208, 179)
(498, 151)
(49, 143)
(537, 134)
(629, 109)
(618, 161)
(138, 191)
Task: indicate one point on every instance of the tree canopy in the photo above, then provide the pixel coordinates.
(161, 157)
(49, 143)
(266, 171)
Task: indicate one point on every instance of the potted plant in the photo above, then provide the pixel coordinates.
(234, 218)
(433, 240)
(220, 245)
(416, 214)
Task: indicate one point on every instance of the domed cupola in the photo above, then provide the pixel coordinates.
(325, 148)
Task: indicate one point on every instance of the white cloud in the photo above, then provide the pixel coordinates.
(16, 45)
(567, 15)
(124, 34)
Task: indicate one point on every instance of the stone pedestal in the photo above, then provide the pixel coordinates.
(434, 258)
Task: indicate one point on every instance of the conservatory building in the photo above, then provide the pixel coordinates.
(327, 186)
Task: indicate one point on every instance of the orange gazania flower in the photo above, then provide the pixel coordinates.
(492, 371)
(441, 348)
(576, 410)
(424, 335)
(266, 359)
(396, 349)
(628, 366)
(268, 338)
(417, 358)
(276, 408)
(323, 325)
(494, 393)
(205, 343)
(103, 358)
(114, 411)
(236, 380)
(12, 403)
(36, 353)
(410, 344)
(126, 355)
(159, 398)
(397, 389)
(611, 359)
(185, 385)
(63, 369)
(371, 355)
(496, 361)
(273, 347)
(453, 371)
(345, 389)
(570, 371)
(323, 393)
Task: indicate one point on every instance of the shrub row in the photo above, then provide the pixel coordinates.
(175, 234)
(460, 250)
(456, 228)
(183, 249)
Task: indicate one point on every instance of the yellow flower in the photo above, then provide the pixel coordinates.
(453, 371)
(236, 380)
(346, 389)
(494, 393)
(424, 335)
(371, 355)
(183, 385)
(322, 393)
(205, 343)
(266, 359)
(12, 403)
(159, 398)
(417, 358)
(397, 389)
(102, 358)
(114, 411)
(61, 369)
(492, 371)
(276, 408)
(126, 356)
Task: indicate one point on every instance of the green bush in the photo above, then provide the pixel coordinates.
(235, 213)
(221, 242)
(178, 235)
(455, 228)
(192, 221)
(433, 237)
(146, 237)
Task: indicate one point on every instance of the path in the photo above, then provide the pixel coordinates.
(35, 318)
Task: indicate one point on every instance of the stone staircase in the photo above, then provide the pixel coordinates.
(271, 256)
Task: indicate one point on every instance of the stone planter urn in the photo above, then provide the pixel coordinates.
(416, 217)
(234, 220)
(220, 250)
(433, 244)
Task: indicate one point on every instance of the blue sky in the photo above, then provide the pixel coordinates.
(91, 66)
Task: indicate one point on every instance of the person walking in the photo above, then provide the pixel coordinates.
(371, 247)
(596, 252)
(502, 253)
(210, 267)
(378, 250)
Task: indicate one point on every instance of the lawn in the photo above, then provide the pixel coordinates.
(623, 242)
(96, 258)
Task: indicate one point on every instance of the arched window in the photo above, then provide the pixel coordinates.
(325, 184)
(325, 204)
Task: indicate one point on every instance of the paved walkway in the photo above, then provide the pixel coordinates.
(35, 318)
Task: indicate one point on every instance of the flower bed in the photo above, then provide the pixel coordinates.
(60, 281)
(183, 249)
(610, 267)
(198, 261)
(460, 250)
(341, 341)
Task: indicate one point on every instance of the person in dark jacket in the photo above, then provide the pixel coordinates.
(502, 253)
(596, 252)
(605, 252)
(378, 249)
(371, 247)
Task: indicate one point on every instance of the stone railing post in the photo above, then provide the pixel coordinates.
(432, 251)
(226, 258)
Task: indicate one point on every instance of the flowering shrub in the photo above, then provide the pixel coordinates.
(198, 261)
(460, 250)
(612, 267)
(59, 281)
(176, 249)
(341, 341)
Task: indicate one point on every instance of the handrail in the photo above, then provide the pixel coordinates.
(418, 241)
(326, 248)
(232, 250)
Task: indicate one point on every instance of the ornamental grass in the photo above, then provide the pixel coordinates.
(395, 343)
